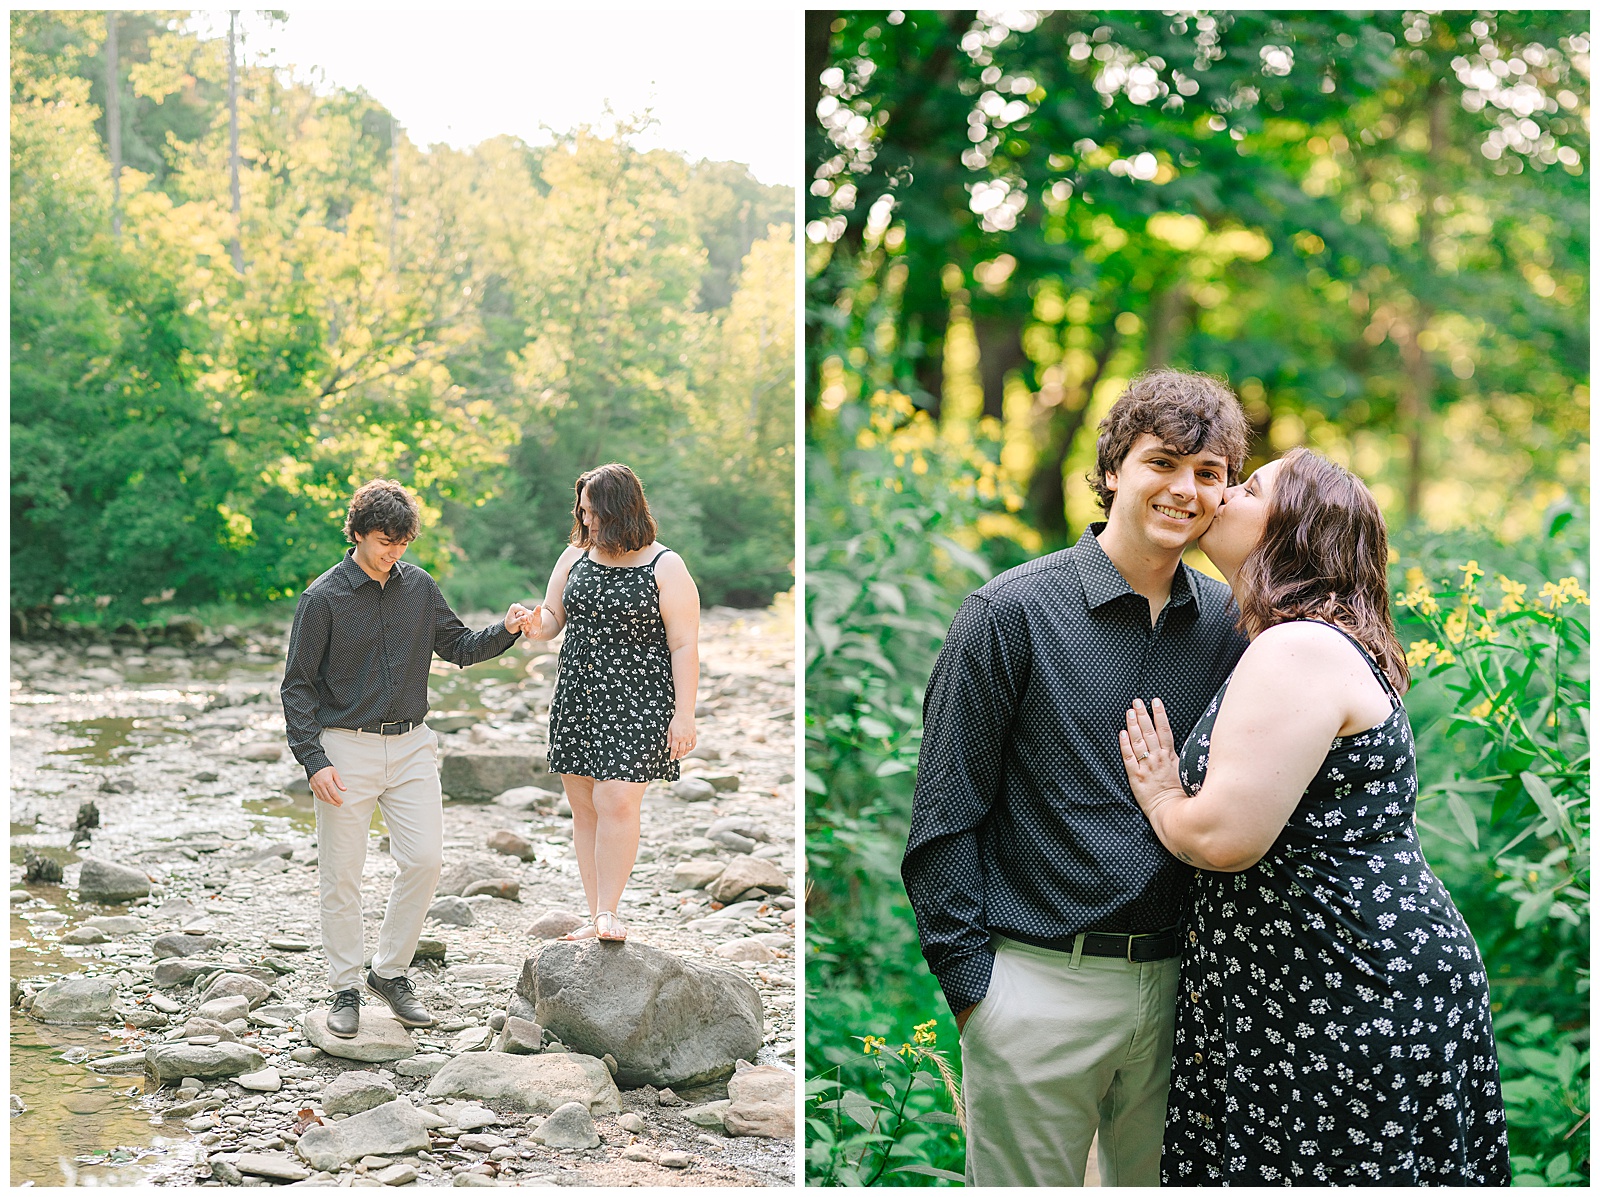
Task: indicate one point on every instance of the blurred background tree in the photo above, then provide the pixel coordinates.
(1375, 226)
(483, 324)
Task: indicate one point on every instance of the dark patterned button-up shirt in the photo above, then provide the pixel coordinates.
(359, 652)
(1023, 823)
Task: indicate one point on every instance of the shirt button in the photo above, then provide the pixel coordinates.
(1199, 1057)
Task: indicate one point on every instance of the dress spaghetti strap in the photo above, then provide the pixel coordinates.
(1372, 664)
(656, 558)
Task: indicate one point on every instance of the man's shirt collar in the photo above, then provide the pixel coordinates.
(355, 576)
(1103, 582)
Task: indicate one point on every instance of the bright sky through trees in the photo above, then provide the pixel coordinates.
(716, 81)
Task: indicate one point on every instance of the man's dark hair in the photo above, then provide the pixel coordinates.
(622, 520)
(1187, 410)
(382, 505)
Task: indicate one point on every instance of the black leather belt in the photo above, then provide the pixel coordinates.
(1136, 949)
(388, 729)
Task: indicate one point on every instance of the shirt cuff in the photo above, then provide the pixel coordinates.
(965, 981)
(315, 762)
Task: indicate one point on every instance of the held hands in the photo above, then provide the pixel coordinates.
(325, 784)
(680, 736)
(1149, 756)
(532, 624)
(517, 618)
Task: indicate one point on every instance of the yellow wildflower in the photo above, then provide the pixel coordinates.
(1445, 657)
(1488, 631)
(919, 464)
(1420, 651)
(1416, 579)
(924, 1035)
(1455, 625)
(1420, 599)
(1473, 573)
(865, 439)
(873, 1043)
(1482, 709)
(1513, 592)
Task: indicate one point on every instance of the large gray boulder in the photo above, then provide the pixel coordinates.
(458, 877)
(532, 1084)
(178, 971)
(77, 1000)
(665, 1020)
(102, 881)
(393, 1128)
(482, 773)
(174, 1061)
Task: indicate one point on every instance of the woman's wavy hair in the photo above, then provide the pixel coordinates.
(622, 519)
(1323, 554)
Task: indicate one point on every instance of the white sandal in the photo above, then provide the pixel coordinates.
(578, 934)
(612, 930)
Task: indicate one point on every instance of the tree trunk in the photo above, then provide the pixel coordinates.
(999, 353)
(1047, 489)
(114, 122)
(1165, 315)
(235, 250)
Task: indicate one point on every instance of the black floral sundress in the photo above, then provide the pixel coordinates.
(1333, 1011)
(614, 693)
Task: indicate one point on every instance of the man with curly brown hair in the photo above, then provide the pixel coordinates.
(1045, 905)
(355, 693)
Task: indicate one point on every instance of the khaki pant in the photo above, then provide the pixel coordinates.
(1058, 1050)
(400, 776)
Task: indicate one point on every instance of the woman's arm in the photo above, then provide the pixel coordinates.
(680, 612)
(1293, 690)
(550, 616)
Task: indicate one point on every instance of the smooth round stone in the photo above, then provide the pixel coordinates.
(286, 944)
(20, 895)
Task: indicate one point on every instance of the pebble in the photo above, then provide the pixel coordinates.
(674, 1159)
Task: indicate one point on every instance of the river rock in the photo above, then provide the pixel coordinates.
(428, 949)
(520, 1037)
(422, 1064)
(554, 923)
(393, 1128)
(174, 1061)
(532, 1084)
(287, 943)
(455, 878)
(354, 1092)
(742, 825)
(225, 1009)
(237, 985)
(668, 1021)
(746, 950)
(199, 1026)
(570, 1128)
(695, 874)
(260, 1163)
(265, 751)
(77, 1001)
(102, 881)
(722, 783)
(713, 1115)
(693, 789)
(504, 888)
(732, 841)
(491, 975)
(377, 1040)
(176, 943)
(481, 773)
(116, 925)
(177, 971)
(395, 1174)
(761, 1103)
(266, 1081)
(747, 872)
(527, 797)
(452, 910)
(85, 936)
(509, 843)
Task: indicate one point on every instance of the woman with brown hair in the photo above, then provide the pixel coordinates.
(1333, 1016)
(623, 710)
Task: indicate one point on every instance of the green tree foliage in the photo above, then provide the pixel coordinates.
(1374, 225)
(482, 324)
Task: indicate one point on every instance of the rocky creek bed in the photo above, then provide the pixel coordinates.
(168, 984)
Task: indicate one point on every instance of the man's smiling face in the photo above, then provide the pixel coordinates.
(1165, 499)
